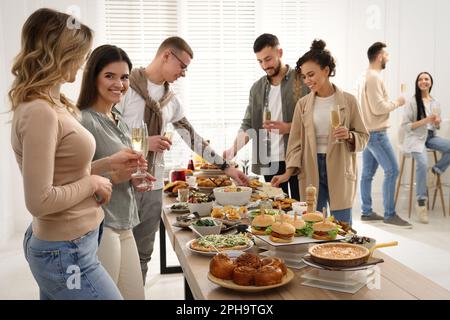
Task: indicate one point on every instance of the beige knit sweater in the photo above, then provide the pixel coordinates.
(375, 103)
(54, 153)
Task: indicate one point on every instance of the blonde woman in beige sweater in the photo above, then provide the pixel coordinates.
(54, 153)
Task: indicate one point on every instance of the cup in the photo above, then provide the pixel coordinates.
(183, 195)
(403, 88)
(192, 181)
(178, 175)
(299, 207)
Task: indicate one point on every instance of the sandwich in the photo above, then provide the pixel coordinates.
(325, 230)
(302, 229)
(261, 222)
(282, 232)
(312, 217)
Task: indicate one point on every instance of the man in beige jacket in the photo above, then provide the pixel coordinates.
(376, 108)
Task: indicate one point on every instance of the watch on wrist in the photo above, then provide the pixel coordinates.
(224, 166)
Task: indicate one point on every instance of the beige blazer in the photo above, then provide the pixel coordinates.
(341, 158)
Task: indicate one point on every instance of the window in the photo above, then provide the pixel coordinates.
(221, 33)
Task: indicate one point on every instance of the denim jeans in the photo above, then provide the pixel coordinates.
(433, 143)
(323, 199)
(69, 270)
(379, 152)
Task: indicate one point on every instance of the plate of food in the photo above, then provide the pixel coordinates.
(181, 207)
(248, 273)
(223, 242)
(171, 188)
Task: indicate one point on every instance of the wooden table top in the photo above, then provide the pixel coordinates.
(396, 282)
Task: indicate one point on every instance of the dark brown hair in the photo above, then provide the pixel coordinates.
(374, 50)
(320, 55)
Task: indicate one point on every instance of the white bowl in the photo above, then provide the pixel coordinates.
(237, 198)
(205, 230)
(203, 209)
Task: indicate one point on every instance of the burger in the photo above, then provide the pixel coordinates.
(302, 229)
(282, 232)
(325, 230)
(261, 222)
(312, 217)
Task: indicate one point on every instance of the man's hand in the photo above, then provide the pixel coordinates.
(282, 127)
(237, 175)
(159, 143)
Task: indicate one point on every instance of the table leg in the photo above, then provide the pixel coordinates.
(164, 269)
(187, 291)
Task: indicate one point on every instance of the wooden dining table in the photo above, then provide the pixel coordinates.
(396, 280)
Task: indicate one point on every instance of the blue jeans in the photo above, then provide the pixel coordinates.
(433, 143)
(69, 270)
(379, 152)
(323, 199)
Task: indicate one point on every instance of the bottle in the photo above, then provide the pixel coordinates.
(191, 164)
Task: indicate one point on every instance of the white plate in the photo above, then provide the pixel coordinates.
(213, 253)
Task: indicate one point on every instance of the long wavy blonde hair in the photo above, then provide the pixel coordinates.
(53, 45)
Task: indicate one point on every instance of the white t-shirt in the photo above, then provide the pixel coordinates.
(132, 108)
(276, 113)
(322, 120)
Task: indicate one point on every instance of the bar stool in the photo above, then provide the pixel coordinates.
(437, 188)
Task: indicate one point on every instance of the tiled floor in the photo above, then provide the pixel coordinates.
(425, 248)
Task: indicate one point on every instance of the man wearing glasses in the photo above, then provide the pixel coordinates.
(276, 94)
(150, 99)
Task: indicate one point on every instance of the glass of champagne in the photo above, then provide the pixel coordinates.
(267, 116)
(335, 120)
(138, 142)
(159, 155)
(403, 88)
(436, 110)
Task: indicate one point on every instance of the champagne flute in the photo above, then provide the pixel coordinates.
(138, 143)
(159, 155)
(335, 120)
(436, 110)
(267, 116)
(403, 88)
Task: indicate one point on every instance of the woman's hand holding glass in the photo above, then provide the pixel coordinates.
(335, 119)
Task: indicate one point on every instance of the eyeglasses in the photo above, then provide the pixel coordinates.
(184, 67)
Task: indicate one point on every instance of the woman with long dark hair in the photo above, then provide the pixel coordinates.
(105, 81)
(321, 151)
(421, 119)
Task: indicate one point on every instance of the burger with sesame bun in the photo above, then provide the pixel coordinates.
(261, 222)
(325, 230)
(312, 217)
(282, 232)
(302, 229)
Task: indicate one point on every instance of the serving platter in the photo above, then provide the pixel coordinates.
(295, 241)
(229, 284)
(213, 253)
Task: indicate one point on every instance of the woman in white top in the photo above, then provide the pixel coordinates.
(420, 120)
(322, 155)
